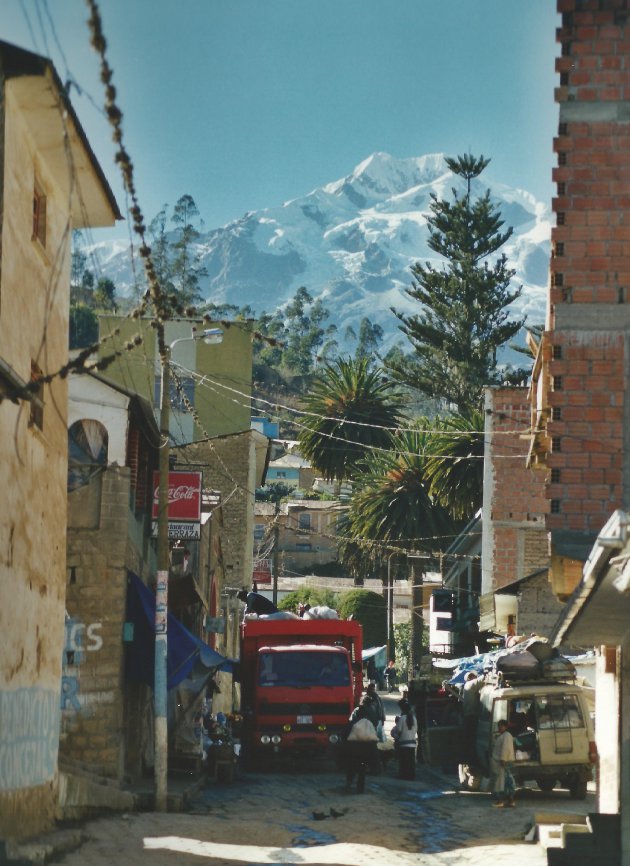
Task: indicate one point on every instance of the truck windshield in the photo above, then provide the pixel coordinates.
(301, 669)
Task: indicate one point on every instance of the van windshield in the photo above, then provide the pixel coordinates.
(302, 669)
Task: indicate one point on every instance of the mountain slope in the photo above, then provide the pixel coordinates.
(353, 241)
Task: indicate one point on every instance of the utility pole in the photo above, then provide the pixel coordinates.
(161, 599)
(276, 554)
(210, 336)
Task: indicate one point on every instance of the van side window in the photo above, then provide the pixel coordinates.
(558, 711)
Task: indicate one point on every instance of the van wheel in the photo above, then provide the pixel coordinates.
(546, 784)
(578, 790)
(467, 778)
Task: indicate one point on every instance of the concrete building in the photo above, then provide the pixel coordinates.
(50, 183)
(292, 470)
(306, 534)
(215, 379)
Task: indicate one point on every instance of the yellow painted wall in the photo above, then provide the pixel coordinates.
(34, 308)
(219, 400)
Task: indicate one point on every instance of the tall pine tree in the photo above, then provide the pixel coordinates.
(464, 318)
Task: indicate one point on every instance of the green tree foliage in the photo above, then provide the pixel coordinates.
(353, 409)
(176, 259)
(464, 320)
(105, 295)
(402, 646)
(454, 467)
(83, 326)
(276, 491)
(369, 340)
(186, 267)
(297, 336)
(391, 501)
(308, 595)
(370, 609)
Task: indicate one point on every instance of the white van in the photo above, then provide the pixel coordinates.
(552, 729)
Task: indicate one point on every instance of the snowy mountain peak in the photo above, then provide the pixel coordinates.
(353, 242)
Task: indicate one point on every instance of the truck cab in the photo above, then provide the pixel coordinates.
(300, 680)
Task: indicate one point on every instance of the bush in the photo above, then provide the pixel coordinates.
(308, 595)
(370, 609)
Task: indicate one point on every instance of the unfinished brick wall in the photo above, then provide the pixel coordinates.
(590, 268)
(515, 540)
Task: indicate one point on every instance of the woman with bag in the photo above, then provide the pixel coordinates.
(405, 735)
(359, 749)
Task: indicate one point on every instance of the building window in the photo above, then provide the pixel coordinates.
(556, 413)
(556, 444)
(303, 547)
(555, 476)
(36, 418)
(304, 521)
(39, 214)
(88, 443)
(557, 383)
(555, 506)
(280, 474)
(259, 531)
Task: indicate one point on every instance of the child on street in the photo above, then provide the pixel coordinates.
(503, 785)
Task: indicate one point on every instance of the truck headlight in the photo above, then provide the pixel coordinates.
(276, 739)
(265, 739)
(333, 738)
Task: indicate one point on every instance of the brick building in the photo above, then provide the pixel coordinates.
(580, 412)
(514, 540)
(581, 375)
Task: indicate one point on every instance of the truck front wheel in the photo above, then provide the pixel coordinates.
(545, 783)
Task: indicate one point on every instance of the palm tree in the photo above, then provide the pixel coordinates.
(392, 503)
(454, 469)
(351, 410)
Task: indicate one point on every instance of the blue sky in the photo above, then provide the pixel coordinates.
(245, 104)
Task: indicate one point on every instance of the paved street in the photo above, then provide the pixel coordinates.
(305, 815)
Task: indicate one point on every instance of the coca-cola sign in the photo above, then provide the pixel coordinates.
(184, 495)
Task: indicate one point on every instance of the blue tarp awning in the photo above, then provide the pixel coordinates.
(372, 652)
(184, 650)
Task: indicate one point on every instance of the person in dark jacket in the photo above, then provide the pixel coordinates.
(256, 603)
(357, 755)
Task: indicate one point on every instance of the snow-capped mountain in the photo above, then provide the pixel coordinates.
(353, 241)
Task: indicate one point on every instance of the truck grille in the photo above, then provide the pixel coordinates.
(304, 709)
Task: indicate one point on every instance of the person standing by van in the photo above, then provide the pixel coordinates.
(503, 785)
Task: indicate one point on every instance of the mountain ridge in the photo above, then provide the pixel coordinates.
(352, 243)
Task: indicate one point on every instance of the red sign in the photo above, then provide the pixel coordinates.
(262, 571)
(184, 495)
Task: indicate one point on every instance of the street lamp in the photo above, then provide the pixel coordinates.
(210, 336)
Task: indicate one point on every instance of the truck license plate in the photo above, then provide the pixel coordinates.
(305, 720)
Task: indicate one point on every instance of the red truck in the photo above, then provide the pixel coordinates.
(300, 680)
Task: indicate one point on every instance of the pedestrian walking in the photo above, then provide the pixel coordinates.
(359, 749)
(405, 735)
(502, 780)
(390, 675)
